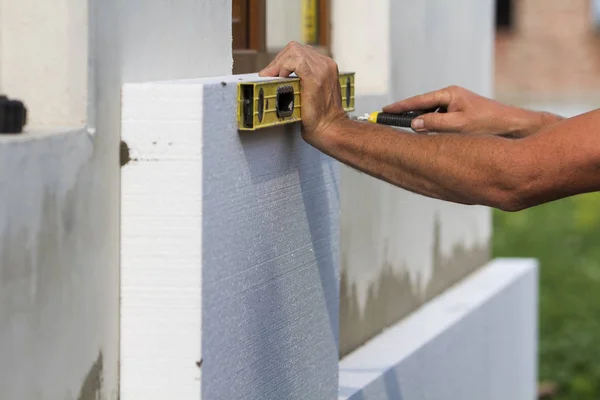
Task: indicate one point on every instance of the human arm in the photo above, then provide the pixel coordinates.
(559, 160)
(469, 112)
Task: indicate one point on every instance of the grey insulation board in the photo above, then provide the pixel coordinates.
(270, 260)
(478, 340)
(269, 241)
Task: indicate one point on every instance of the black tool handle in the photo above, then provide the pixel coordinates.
(403, 120)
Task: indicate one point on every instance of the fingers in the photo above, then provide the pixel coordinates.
(288, 66)
(282, 63)
(440, 122)
(274, 66)
(284, 67)
(270, 70)
(439, 98)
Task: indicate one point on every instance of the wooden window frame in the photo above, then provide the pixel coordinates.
(247, 60)
(256, 56)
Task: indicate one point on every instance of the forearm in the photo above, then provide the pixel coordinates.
(561, 160)
(463, 169)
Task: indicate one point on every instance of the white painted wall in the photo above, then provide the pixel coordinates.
(43, 58)
(59, 224)
(362, 43)
(284, 23)
(401, 48)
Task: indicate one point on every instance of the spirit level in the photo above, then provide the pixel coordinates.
(274, 102)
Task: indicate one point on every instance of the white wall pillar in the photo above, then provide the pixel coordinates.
(43, 59)
(399, 250)
(361, 42)
(59, 201)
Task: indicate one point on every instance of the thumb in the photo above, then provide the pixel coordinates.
(439, 122)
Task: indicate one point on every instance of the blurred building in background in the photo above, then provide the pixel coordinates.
(548, 51)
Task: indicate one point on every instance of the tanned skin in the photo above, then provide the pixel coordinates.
(483, 152)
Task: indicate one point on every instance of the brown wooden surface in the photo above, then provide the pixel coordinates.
(325, 24)
(249, 61)
(239, 22)
(257, 32)
(250, 37)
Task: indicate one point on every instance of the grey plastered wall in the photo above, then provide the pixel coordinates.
(399, 250)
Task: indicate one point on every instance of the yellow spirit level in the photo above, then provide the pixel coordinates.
(277, 102)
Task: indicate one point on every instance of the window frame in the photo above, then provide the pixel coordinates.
(255, 55)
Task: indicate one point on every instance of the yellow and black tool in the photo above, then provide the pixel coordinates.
(266, 103)
(400, 120)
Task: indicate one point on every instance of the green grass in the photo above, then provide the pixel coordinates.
(565, 237)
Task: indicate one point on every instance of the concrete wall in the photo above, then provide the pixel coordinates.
(398, 249)
(58, 275)
(59, 224)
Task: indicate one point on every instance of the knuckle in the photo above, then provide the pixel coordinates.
(333, 66)
(304, 69)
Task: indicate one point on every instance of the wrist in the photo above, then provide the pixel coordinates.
(325, 130)
(550, 119)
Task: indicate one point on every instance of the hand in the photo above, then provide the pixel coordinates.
(319, 78)
(470, 113)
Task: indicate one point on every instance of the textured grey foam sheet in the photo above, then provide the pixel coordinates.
(476, 341)
(270, 260)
